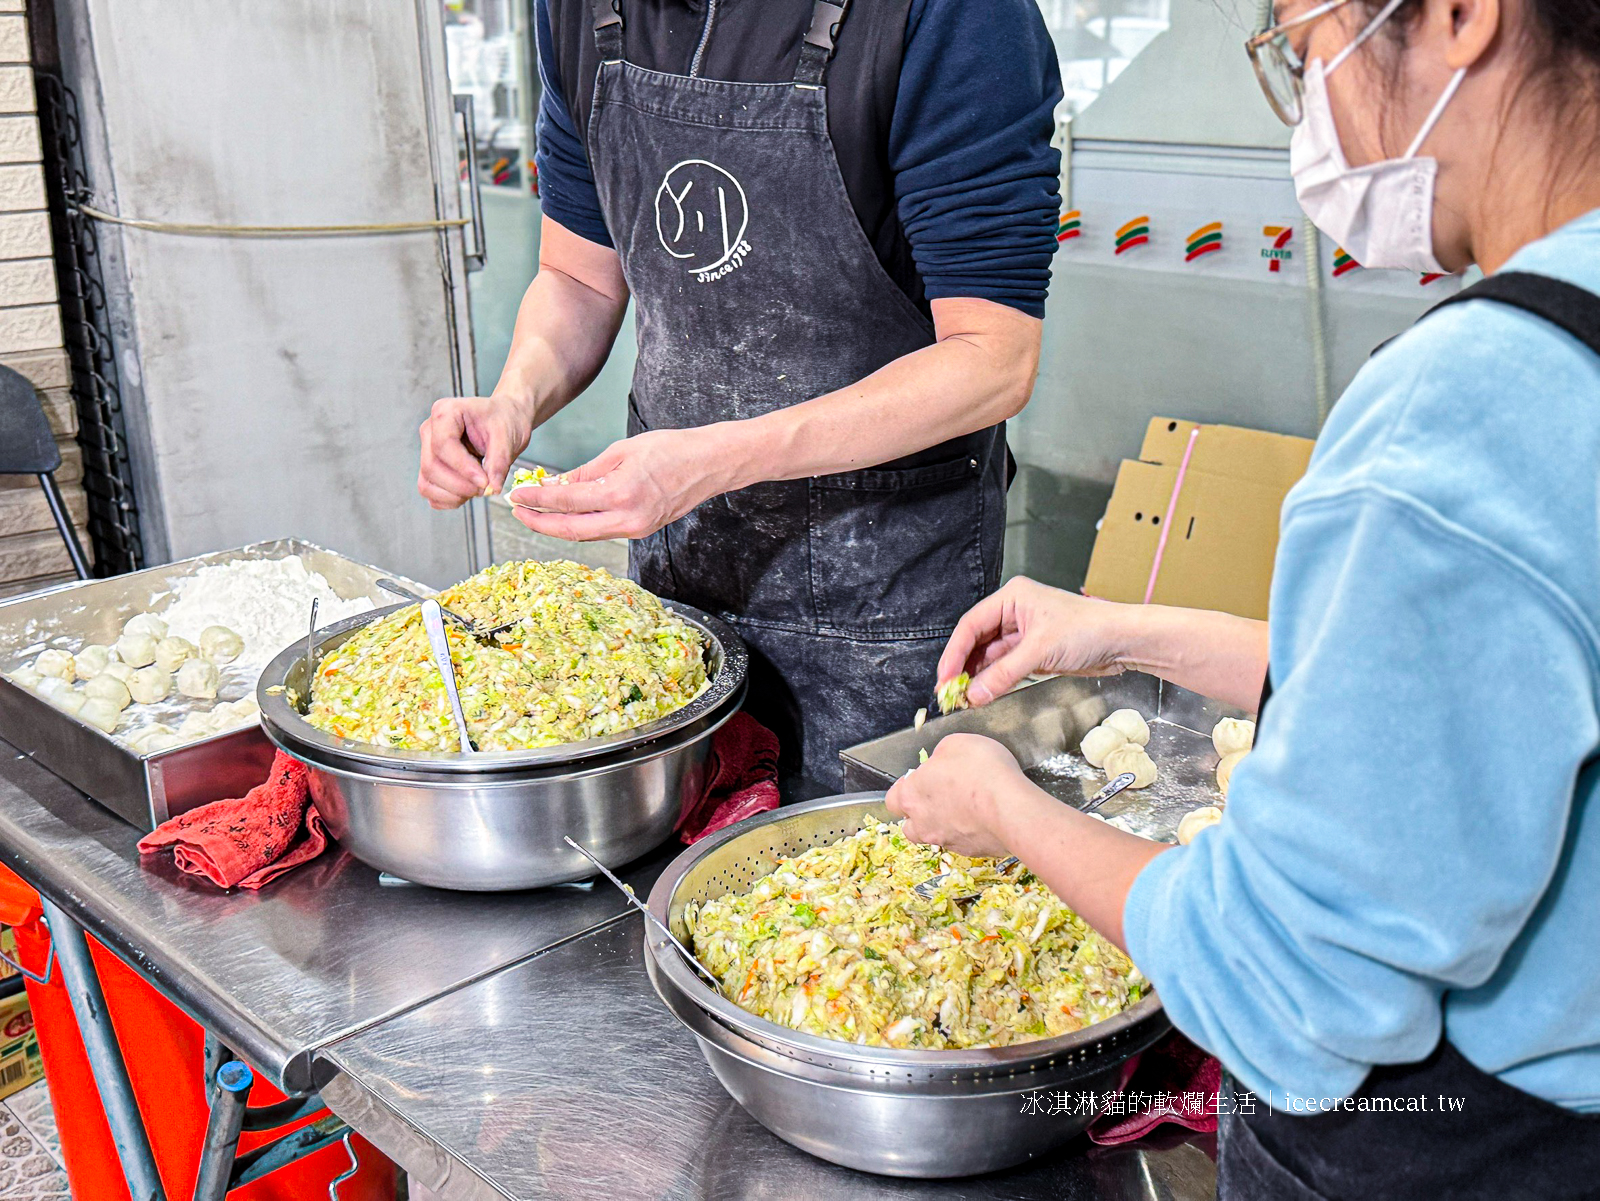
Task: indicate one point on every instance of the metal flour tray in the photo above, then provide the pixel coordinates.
(145, 789)
(1043, 725)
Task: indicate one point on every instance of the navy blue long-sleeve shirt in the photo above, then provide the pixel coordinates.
(967, 149)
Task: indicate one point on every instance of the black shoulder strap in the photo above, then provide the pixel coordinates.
(1564, 305)
(608, 29)
(816, 48)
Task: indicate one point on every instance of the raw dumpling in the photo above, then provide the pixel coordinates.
(91, 661)
(1196, 820)
(196, 725)
(138, 738)
(119, 670)
(1233, 734)
(109, 689)
(56, 663)
(220, 644)
(1225, 769)
(197, 678)
(1131, 757)
(100, 713)
(1130, 725)
(61, 694)
(1100, 742)
(171, 652)
(236, 713)
(149, 685)
(160, 740)
(148, 624)
(26, 677)
(136, 650)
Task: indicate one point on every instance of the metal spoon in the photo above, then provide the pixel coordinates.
(929, 888)
(650, 917)
(466, 624)
(311, 652)
(433, 622)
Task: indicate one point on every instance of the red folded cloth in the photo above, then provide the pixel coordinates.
(1175, 1082)
(247, 841)
(741, 778)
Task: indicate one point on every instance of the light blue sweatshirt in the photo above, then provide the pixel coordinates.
(1415, 841)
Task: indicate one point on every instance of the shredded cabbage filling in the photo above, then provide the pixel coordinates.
(835, 942)
(590, 655)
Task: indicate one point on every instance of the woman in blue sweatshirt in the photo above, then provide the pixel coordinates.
(1392, 939)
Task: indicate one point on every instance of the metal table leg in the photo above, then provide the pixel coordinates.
(228, 1095)
(105, 1056)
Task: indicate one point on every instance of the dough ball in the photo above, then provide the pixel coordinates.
(196, 725)
(137, 738)
(1225, 769)
(1196, 820)
(109, 689)
(26, 677)
(161, 740)
(1233, 734)
(136, 650)
(56, 663)
(220, 644)
(100, 713)
(91, 661)
(1131, 757)
(171, 652)
(1100, 742)
(148, 624)
(149, 685)
(1130, 725)
(118, 670)
(197, 678)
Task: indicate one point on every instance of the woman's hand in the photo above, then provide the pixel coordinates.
(957, 799)
(468, 445)
(1026, 627)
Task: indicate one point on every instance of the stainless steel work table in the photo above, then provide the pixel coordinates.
(566, 1077)
(317, 955)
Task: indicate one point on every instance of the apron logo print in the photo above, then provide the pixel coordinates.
(701, 217)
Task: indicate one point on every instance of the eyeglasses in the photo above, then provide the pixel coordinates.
(1279, 67)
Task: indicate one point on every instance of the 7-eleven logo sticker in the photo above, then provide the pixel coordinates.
(1069, 226)
(1343, 264)
(1278, 253)
(1133, 233)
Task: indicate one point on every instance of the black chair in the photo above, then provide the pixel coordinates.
(27, 447)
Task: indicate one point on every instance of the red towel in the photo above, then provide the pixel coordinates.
(247, 841)
(1175, 1082)
(742, 778)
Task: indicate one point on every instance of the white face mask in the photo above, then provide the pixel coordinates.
(1382, 214)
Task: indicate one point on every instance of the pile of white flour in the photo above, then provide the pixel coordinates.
(267, 602)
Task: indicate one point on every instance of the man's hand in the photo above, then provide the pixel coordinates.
(468, 445)
(1027, 627)
(955, 800)
(632, 489)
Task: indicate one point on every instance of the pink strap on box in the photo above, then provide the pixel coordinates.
(1166, 521)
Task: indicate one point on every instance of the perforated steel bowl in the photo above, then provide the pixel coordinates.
(895, 1112)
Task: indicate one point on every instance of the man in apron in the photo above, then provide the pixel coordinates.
(838, 266)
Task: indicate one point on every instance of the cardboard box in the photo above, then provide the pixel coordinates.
(1221, 520)
(20, 1061)
(8, 947)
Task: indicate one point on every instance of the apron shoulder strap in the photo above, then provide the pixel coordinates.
(1564, 305)
(816, 49)
(608, 29)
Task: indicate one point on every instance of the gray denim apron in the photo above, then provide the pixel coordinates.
(755, 288)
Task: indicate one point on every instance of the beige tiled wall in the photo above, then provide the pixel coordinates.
(31, 552)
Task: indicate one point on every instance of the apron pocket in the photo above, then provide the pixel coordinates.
(897, 552)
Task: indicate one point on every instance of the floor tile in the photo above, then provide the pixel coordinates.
(33, 1109)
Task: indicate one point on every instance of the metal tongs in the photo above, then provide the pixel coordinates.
(466, 623)
(693, 959)
(433, 623)
(929, 888)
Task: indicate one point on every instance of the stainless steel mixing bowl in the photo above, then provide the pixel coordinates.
(895, 1112)
(495, 820)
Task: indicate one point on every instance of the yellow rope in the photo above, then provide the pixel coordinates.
(270, 231)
